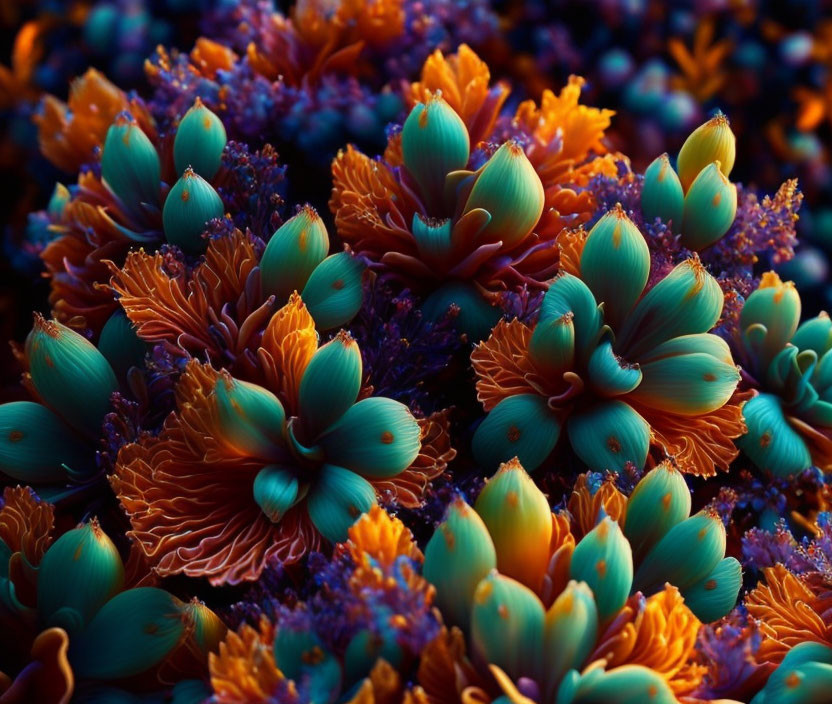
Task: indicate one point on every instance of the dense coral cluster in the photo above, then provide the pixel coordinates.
(380, 363)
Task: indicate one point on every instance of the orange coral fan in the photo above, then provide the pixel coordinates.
(69, 132)
(702, 72)
(26, 529)
(194, 473)
(319, 40)
(244, 671)
(171, 307)
(640, 633)
(790, 610)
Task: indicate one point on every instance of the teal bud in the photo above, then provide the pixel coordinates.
(508, 187)
(552, 346)
(295, 249)
(459, 554)
(191, 203)
(568, 294)
(330, 383)
(662, 195)
(302, 657)
(703, 343)
(608, 435)
(803, 677)
(714, 596)
(569, 633)
(771, 443)
(275, 490)
(521, 426)
(134, 631)
(659, 501)
(70, 375)
(377, 437)
(628, 684)
(473, 314)
(79, 573)
(208, 629)
(333, 293)
(686, 554)
(435, 142)
(250, 419)
(776, 306)
(507, 626)
(36, 446)
(609, 374)
(130, 165)
(337, 500)
(58, 201)
(366, 647)
(685, 302)
(711, 142)
(615, 264)
(604, 561)
(519, 521)
(120, 344)
(687, 384)
(433, 239)
(710, 208)
(814, 334)
(200, 139)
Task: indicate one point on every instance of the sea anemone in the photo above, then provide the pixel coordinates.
(618, 367)
(308, 458)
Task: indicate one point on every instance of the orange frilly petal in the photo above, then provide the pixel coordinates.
(385, 686)
(243, 671)
(209, 57)
(503, 366)
(408, 488)
(68, 133)
(660, 636)
(445, 672)
(26, 525)
(585, 507)
(382, 537)
(463, 79)
(701, 444)
(788, 612)
(288, 344)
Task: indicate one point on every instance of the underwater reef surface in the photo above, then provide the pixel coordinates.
(415, 352)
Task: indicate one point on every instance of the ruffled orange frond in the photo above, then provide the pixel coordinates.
(209, 57)
(463, 79)
(445, 672)
(190, 504)
(503, 366)
(561, 547)
(385, 686)
(48, 677)
(586, 507)
(407, 488)
(26, 525)
(788, 612)
(571, 246)
(702, 74)
(579, 127)
(375, 22)
(288, 344)
(68, 133)
(381, 536)
(372, 212)
(162, 306)
(244, 670)
(661, 636)
(702, 444)
(16, 82)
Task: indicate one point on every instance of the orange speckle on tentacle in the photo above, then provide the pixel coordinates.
(710, 585)
(513, 434)
(793, 680)
(511, 499)
(16, 436)
(601, 568)
(709, 377)
(765, 439)
(387, 437)
(613, 444)
(502, 609)
(338, 284)
(666, 499)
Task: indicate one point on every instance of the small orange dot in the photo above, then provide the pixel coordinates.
(16, 436)
(513, 434)
(185, 195)
(387, 437)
